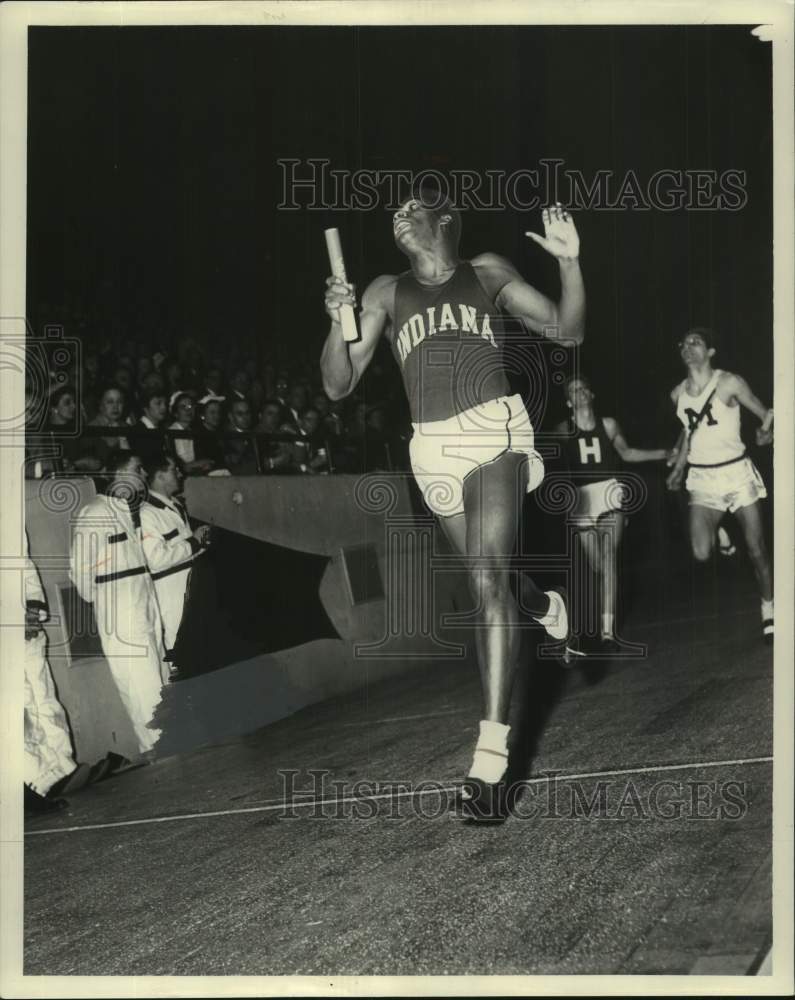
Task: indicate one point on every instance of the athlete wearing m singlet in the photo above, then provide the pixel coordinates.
(720, 476)
(716, 440)
(446, 341)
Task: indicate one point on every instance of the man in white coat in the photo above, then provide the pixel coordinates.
(170, 546)
(109, 569)
(48, 742)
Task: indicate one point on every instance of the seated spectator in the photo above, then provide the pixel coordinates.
(62, 423)
(209, 443)
(154, 382)
(184, 412)
(329, 413)
(277, 456)
(63, 410)
(214, 383)
(154, 410)
(110, 414)
(241, 456)
(296, 404)
(149, 442)
(282, 389)
(310, 452)
(365, 440)
(322, 404)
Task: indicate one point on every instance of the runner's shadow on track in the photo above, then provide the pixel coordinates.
(539, 688)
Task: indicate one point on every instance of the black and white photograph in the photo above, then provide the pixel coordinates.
(397, 481)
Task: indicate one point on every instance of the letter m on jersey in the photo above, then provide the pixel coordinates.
(693, 417)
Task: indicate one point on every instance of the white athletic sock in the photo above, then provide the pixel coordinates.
(767, 609)
(491, 753)
(607, 624)
(723, 538)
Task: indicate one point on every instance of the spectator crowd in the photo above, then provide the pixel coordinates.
(217, 414)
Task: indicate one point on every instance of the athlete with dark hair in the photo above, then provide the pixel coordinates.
(595, 446)
(712, 461)
(472, 451)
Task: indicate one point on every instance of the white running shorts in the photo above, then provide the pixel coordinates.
(444, 452)
(596, 499)
(725, 487)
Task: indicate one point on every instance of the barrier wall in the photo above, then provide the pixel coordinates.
(376, 588)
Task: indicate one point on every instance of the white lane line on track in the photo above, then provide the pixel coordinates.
(403, 718)
(436, 790)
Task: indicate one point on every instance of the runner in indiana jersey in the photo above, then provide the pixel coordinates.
(473, 450)
(594, 447)
(720, 476)
(443, 339)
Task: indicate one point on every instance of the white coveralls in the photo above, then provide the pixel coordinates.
(48, 744)
(108, 568)
(170, 548)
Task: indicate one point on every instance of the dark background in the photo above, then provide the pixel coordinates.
(153, 180)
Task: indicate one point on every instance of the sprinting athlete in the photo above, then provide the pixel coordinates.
(472, 451)
(595, 446)
(720, 477)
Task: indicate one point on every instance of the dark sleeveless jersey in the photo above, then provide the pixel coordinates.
(591, 455)
(446, 340)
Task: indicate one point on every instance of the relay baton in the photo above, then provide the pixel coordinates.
(337, 262)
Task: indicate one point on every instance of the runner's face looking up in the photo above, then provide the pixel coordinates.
(694, 350)
(417, 227)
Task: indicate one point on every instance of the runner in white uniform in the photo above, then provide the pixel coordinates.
(712, 462)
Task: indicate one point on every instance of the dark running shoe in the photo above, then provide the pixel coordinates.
(39, 805)
(482, 803)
